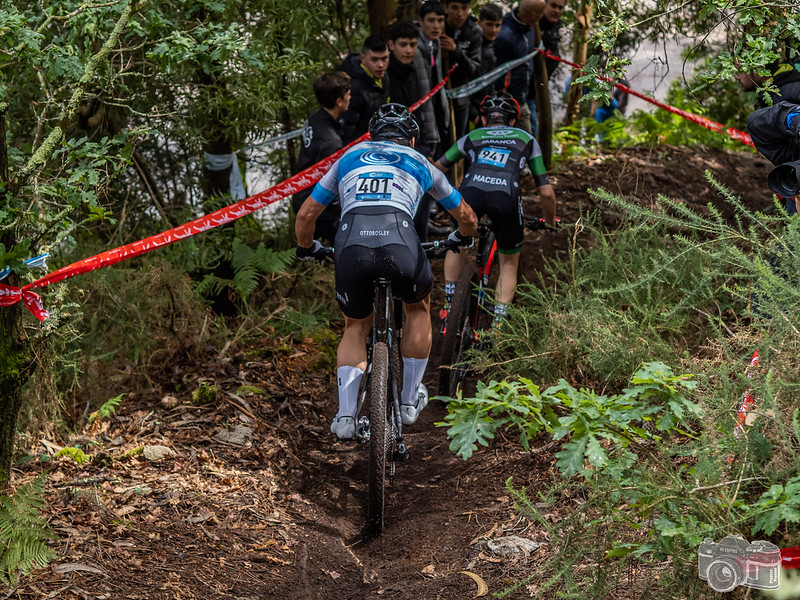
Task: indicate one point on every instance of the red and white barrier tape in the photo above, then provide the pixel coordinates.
(735, 134)
(11, 295)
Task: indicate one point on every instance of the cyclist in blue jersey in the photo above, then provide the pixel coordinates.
(497, 153)
(379, 184)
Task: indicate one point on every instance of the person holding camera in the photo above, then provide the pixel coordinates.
(775, 131)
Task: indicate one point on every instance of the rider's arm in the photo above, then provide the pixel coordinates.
(306, 220)
(454, 154)
(323, 194)
(546, 192)
(450, 199)
(548, 199)
(466, 218)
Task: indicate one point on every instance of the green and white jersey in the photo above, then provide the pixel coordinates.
(497, 155)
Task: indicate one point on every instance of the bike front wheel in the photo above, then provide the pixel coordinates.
(379, 438)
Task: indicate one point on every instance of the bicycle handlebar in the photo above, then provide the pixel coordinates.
(538, 223)
(439, 248)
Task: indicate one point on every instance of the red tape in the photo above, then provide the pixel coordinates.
(735, 134)
(11, 295)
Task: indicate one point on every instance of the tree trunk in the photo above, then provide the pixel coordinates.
(14, 363)
(544, 114)
(381, 13)
(14, 353)
(583, 21)
(407, 10)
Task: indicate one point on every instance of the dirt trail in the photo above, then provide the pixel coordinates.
(279, 515)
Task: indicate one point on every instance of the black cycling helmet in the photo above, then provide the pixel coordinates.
(393, 121)
(499, 107)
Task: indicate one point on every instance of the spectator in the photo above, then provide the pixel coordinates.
(785, 74)
(515, 40)
(775, 131)
(409, 80)
(322, 136)
(490, 19)
(369, 86)
(461, 43)
(602, 112)
(550, 28)
(431, 27)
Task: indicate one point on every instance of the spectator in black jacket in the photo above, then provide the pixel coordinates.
(431, 28)
(369, 86)
(517, 38)
(461, 43)
(490, 18)
(322, 136)
(550, 28)
(785, 76)
(409, 80)
(775, 131)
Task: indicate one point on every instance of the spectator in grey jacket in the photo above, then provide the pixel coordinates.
(461, 43)
(431, 28)
(409, 80)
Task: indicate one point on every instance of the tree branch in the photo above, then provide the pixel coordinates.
(150, 184)
(48, 146)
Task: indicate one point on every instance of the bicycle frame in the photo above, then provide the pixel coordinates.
(484, 260)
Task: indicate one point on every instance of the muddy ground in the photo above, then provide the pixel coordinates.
(277, 512)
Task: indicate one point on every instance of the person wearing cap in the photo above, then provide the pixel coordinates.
(491, 187)
(379, 184)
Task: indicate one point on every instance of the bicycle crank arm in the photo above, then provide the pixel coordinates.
(401, 453)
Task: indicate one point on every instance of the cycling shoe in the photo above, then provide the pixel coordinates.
(409, 412)
(344, 427)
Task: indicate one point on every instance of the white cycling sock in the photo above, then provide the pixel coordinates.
(348, 378)
(413, 370)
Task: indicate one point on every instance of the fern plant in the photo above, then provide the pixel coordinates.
(23, 532)
(108, 408)
(248, 265)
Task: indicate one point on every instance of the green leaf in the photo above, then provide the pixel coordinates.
(570, 458)
(595, 453)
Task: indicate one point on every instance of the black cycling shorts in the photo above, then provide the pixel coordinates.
(505, 213)
(375, 242)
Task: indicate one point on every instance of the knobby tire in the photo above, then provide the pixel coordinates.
(380, 432)
(459, 335)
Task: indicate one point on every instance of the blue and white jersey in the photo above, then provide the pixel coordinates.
(384, 174)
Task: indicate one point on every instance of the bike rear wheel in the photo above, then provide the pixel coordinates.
(379, 441)
(460, 333)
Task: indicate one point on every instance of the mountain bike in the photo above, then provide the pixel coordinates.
(471, 308)
(378, 422)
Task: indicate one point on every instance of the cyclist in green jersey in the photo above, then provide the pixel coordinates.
(497, 152)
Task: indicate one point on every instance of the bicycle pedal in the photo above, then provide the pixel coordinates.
(401, 454)
(362, 430)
